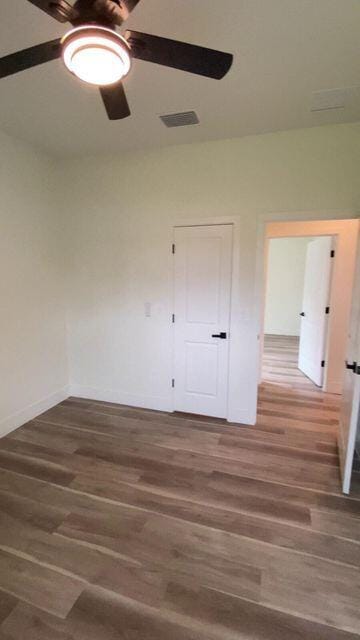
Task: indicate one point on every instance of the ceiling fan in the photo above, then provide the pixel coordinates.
(96, 53)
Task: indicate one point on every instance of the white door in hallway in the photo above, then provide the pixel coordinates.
(350, 402)
(315, 300)
(202, 276)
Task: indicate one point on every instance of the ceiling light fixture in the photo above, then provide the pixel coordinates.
(96, 54)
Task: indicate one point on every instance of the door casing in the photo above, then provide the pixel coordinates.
(310, 224)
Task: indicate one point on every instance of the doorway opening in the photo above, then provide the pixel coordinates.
(307, 264)
(325, 407)
(297, 309)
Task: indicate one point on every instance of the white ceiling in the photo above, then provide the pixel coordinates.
(284, 50)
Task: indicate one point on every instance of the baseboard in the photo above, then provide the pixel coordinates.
(32, 411)
(155, 403)
(334, 387)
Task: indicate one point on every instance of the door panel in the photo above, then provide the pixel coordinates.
(202, 275)
(203, 280)
(315, 300)
(350, 403)
(201, 368)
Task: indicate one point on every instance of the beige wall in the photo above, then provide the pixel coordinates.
(94, 235)
(346, 234)
(33, 359)
(120, 212)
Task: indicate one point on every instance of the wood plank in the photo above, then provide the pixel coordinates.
(45, 517)
(248, 619)
(7, 603)
(35, 467)
(45, 589)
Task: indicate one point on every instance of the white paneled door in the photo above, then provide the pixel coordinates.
(350, 403)
(202, 274)
(315, 300)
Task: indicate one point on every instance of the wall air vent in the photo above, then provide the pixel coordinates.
(184, 119)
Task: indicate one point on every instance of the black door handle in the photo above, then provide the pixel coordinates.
(351, 367)
(302, 314)
(221, 335)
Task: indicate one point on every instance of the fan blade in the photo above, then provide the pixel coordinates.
(58, 9)
(31, 57)
(115, 101)
(179, 55)
(128, 6)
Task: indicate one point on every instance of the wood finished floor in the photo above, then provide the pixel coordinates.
(118, 523)
(280, 363)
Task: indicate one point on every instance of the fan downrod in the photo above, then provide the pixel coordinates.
(107, 13)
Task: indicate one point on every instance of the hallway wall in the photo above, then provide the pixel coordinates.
(285, 285)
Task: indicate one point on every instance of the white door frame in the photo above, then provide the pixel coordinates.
(283, 216)
(234, 303)
(334, 238)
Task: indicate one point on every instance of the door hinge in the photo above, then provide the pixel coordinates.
(173, 318)
(173, 248)
(327, 310)
(173, 383)
(323, 363)
(332, 253)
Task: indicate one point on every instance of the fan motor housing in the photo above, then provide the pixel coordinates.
(107, 13)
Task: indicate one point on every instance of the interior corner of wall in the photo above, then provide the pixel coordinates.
(18, 419)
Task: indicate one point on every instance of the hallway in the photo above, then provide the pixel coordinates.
(280, 363)
(290, 400)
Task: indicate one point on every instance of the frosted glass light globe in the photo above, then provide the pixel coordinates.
(96, 55)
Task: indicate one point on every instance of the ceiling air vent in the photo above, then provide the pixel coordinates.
(183, 119)
(329, 99)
